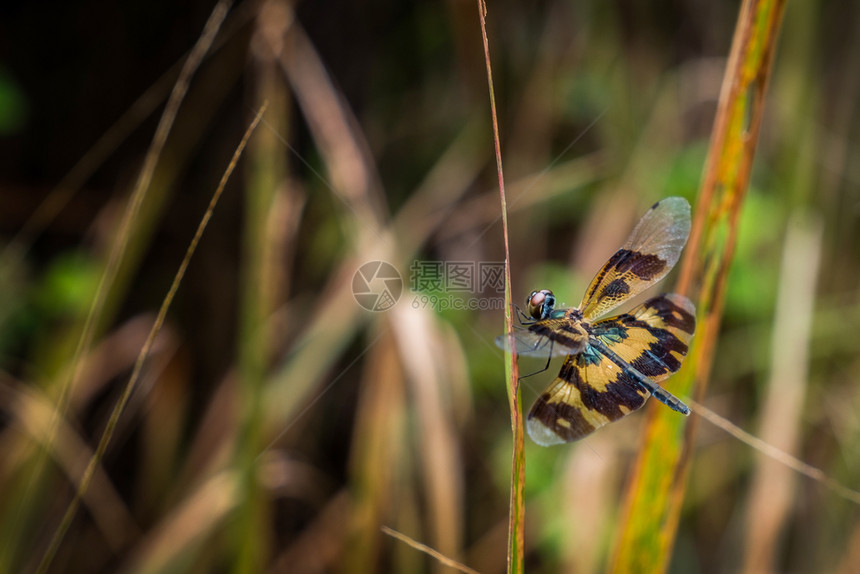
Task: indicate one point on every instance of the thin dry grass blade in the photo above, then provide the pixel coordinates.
(84, 484)
(517, 524)
(783, 458)
(772, 492)
(427, 550)
(177, 96)
(121, 244)
(656, 489)
(420, 347)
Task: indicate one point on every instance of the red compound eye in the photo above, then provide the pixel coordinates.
(536, 301)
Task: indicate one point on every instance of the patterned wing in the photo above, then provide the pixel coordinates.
(592, 390)
(654, 337)
(589, 392)
(648, 255)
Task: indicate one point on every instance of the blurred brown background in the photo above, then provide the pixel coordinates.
(278, 425)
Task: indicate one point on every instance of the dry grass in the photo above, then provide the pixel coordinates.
(278, 425)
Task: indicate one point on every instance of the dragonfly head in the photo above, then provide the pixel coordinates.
(540, 304)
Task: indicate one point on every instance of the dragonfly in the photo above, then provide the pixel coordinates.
(611, 365)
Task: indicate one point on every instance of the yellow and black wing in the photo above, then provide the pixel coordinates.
(648, 255)
(654, 337)
(589, 392)
(593, 388)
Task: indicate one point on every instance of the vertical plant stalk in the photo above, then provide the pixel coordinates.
(516, 524)
(141, 187)
(260, 286)
(655, 492)
(87, 477)
(773, 488)
(177, 95)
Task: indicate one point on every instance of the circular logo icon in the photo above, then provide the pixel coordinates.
(377, 286)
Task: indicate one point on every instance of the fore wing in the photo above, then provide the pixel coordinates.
(550, 337)
(646, 257)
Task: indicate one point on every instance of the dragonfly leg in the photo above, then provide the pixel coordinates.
(548, 359)
(523, 318)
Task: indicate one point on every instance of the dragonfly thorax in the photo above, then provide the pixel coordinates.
(540, 304)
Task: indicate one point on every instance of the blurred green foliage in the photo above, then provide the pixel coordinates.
(604, 108)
